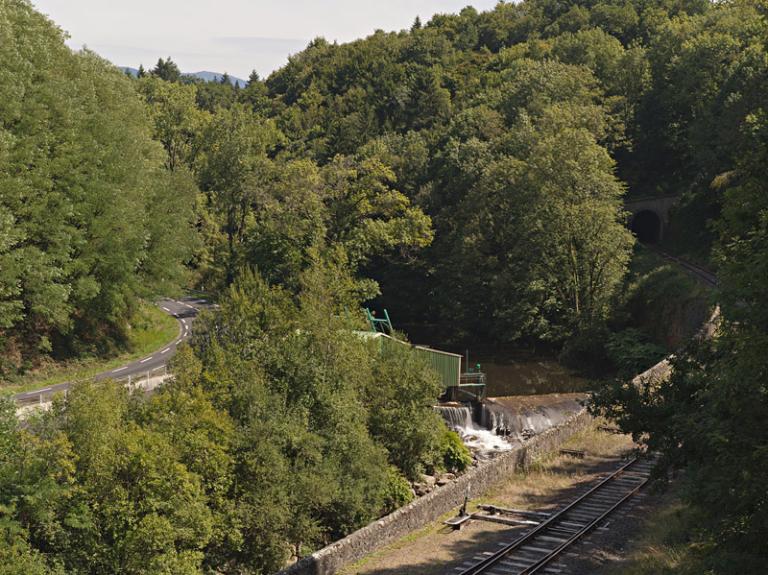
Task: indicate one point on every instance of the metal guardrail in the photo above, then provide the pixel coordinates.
(44, 396)
(472, 379)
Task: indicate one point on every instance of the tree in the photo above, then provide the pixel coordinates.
(78, 174)
(708, 418)
(367, 216)
(231, 172)
(400, 412)
(10, 269)
(167, 70)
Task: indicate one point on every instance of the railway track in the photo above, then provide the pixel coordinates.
(536, 550)
(704, 275)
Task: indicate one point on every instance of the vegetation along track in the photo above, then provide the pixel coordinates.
(704, 275)
(535, 550)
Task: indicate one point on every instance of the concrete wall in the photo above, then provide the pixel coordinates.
(428, 508)
(663, 370)
(659, 205)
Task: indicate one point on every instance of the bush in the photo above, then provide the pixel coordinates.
(631, 352)
(397, 491)
(455, 455)
(585, 351)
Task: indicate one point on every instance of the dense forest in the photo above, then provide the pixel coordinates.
(468, 174)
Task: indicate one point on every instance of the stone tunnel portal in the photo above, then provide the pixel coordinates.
(646, 225)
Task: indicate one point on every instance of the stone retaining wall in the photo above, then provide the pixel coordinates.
(430, 507)
(663, 370)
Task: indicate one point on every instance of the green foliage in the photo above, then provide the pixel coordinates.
(666, 303)
(399, 399)
(322, 414)
(398, 491)
(88, 218)
(167, 70)
(631, 352)
(17, 557)
(709, 418)
(469, 169)
(455, 455)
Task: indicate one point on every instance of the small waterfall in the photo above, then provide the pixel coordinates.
(477, 438)
(457, 417)
(523, 422)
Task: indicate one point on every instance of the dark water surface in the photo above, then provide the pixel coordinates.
(529, 376)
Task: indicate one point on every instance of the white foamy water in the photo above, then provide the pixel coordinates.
(477, 438)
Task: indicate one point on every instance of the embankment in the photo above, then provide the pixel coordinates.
(430, 507)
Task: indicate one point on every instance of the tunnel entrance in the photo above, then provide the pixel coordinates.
(646, 225)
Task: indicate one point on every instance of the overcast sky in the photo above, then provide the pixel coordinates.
(234, 36)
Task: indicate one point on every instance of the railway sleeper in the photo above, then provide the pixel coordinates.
(532, 557)
(511, 568)
(583, 517)
(616, 486)
(575, 524)
(599, 504)
(535, 548)
(607, 499)
(596, 509)
(516, 562)
(630, 479)
(580, 516)
(549, 538)
(568, 531)
(607, 495)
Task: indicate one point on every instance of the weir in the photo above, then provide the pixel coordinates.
(482, 441)
(497, 424)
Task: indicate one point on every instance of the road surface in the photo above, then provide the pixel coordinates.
(184, 310)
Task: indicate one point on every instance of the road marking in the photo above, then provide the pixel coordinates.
(120, 369)
(44, 390)
(166, 309)
(145, 360)
(166, 350)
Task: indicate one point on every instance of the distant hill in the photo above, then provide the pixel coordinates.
(216, 77)
(205, 76)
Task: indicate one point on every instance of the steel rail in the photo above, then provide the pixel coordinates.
(488, 563)
(556, 552)
(699, 271)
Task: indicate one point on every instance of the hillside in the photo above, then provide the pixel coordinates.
(467, 174)
(204, 76)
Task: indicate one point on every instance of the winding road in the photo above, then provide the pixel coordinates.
(184, 310)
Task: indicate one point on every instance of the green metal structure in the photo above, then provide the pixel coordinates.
(457, 384)
(447, 365)
(380, 325)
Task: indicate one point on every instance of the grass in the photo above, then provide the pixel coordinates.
(540, 486)
(669, 544)
(554, 472)
(151, 329)
(401, 543)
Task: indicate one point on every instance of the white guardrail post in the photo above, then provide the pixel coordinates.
(40, 400)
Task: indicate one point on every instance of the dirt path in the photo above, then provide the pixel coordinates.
(436, 550)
